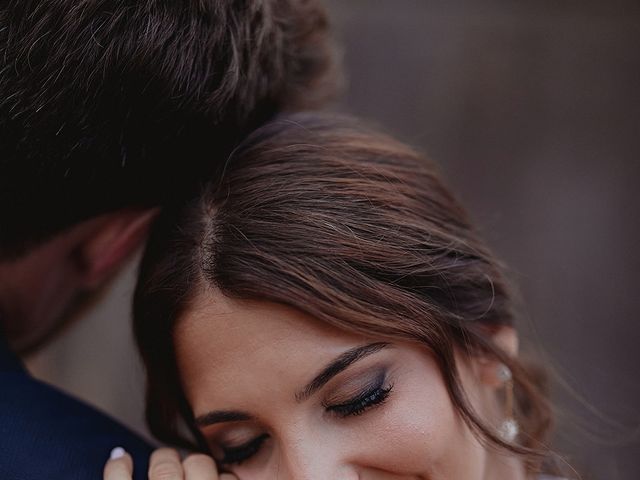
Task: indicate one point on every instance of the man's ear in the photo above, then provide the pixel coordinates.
(112, 240)
(506, 339)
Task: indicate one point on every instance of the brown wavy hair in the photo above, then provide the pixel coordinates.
(351, 227)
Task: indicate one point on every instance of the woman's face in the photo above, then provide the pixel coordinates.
(279, 395)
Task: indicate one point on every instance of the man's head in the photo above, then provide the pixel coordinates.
(108, 109)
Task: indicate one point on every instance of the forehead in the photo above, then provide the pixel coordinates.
(228, 348)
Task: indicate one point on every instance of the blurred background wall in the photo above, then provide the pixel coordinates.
(533, 111)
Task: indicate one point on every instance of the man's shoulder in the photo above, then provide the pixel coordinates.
(45, 433)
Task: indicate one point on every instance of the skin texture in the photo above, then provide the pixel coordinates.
(255, 358)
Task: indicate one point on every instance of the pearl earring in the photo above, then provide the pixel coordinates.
(509, 428)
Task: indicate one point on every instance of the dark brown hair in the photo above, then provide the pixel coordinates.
(350, 227)
(105, 104)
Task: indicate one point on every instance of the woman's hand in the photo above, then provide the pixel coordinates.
(165, 464)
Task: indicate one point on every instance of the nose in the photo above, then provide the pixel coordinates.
(314, 460)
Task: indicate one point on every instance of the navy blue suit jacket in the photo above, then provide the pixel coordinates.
(47, 435)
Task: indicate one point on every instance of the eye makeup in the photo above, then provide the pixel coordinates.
(351, 393)
(237, 455)
(357, 398)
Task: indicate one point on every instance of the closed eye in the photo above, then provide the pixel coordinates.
(237, 455)
(369, 398)
(357, 406)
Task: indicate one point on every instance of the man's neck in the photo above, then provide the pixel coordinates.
(8, 361)
(35, 290)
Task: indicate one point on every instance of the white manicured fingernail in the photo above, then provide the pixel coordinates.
(117, 452)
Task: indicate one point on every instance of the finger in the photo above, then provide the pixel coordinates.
(199, 467)
(119, 466)
(228, 476)
(165, 465)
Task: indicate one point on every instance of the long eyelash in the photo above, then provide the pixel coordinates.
(237, 455)
(362, 403)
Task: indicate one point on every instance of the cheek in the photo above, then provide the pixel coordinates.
(418, 432)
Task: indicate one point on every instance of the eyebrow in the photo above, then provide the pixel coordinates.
(338, 365)
(220, 416)
(331, 370)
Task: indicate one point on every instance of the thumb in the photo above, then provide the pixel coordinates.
(119, 466)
